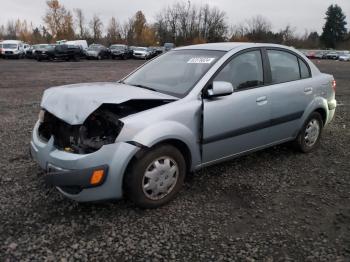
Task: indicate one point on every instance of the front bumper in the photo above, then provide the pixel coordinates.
(140, 55)
(74, 181)
(11, 55)
(116, 156)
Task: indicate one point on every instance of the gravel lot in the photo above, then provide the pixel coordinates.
(274, 205)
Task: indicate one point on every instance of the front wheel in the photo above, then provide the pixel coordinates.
(155, 178)
(310, 134)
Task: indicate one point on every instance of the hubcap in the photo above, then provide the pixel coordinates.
(160, 178)
(312, 132)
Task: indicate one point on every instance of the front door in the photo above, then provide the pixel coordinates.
(238, 122)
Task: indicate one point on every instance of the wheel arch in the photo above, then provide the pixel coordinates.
(177, 143)
(323, 114)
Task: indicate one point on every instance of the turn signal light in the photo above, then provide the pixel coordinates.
(97, 177)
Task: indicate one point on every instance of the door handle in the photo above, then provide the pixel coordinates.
(308, 89)
(262, 100)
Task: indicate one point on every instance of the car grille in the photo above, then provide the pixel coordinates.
(8, 52)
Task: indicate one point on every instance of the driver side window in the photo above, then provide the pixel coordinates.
(243, 71)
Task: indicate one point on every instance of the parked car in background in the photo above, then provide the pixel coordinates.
(310, 54)
(185, 110)
(120, 51)
(168, 46)
(81, 43)
(332, 55)
(39, 53)
(0, 49)
(344, 56)
(320, 55)
(96, 51)
(158, 49)
(60, 52)
(31, 52)
(26, 47)
(142, 53)
(12, 49)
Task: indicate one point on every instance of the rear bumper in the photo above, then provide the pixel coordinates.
(332, 105)
(76, 168)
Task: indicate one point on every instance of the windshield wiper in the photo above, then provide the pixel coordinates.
(145, 87)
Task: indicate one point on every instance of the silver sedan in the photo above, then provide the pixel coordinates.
(192, 107)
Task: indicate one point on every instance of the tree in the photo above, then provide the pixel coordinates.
(113, 32)
(80, 22)
(184, 23)
(334, 30)
(258, 28)
(58, 20)
(2, 31)
(11, 32)
(96, 26)
(139, 26)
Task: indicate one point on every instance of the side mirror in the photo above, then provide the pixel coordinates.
(220, 88)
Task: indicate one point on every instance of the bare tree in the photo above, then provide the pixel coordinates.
(11, 31)
(113, 31)
(2, 31)
(184, 23)
(80, 22)
(258, 25)
(96, 26)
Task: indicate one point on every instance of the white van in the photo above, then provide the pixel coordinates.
(82, 43)
(12, 48)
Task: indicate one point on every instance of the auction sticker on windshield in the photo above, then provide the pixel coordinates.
(200, 60)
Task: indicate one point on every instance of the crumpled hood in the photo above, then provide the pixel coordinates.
(74, 103)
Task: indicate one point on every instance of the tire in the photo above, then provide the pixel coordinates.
(312, 127)
(99, 57)
(165, 179)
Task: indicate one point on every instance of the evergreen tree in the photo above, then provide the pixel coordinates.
(334, 30)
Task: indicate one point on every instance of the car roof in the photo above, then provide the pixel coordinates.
(11, 42)
(227, 46)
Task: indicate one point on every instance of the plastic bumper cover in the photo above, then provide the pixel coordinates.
(116, 156)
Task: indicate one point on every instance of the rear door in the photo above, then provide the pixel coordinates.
(238, 122)
(291, 92)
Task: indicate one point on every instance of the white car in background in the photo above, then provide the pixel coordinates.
(344, 56)
(12, 48)
(142, 52)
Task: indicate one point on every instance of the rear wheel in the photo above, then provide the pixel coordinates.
(310, 134)
(155, 178)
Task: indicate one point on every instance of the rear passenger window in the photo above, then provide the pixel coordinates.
(304, 70)
(243, 71)
(284, 66)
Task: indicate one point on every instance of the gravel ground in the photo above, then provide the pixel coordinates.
(273, 205)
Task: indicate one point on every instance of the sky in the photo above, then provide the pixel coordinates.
(299, 14)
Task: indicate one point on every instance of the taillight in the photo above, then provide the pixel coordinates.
(334, 85)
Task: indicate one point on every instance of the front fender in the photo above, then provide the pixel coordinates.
(166, 130)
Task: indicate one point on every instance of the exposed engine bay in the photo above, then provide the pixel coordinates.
(101, 128)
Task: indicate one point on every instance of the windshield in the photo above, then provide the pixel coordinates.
(94, 47)
(117, 47)
(140, 49)
(9, 46)
(175, 72)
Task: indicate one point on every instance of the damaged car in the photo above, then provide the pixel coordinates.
(192, 107)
